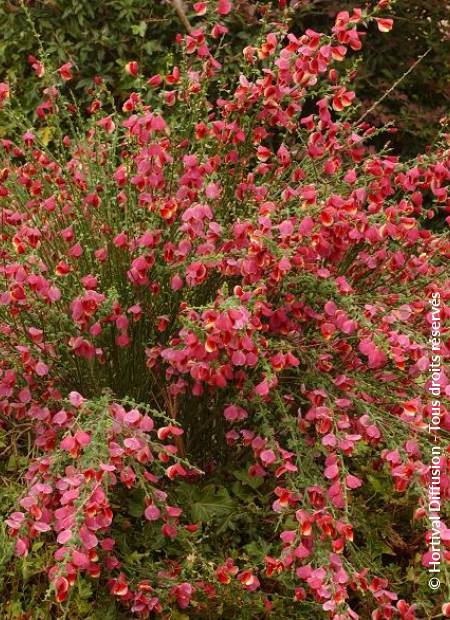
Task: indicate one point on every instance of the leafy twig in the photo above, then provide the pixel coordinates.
(393, 87)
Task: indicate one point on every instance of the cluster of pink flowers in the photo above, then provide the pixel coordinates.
(250, 254)
(68, 489)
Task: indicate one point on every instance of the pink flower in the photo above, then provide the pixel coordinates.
(331, 471)
(41, 526)
(88, 538)
(200, 7)
(176, 283)
(384, 24)
(183, 594)
(65, 71)
(353, 482)
(234, 413)
(195, 274)
(21, 548)
(82, 438)
(81, 560)
(152, 512)
(76, 400)
(262, 389)
(238, 358)
(64, 536)
(132, 417)
(224, 7)
(37, 66)
(4, 92)
(41, 369)
(268, 457)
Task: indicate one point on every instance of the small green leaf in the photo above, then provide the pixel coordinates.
(139, 29)
(211, 502)
(252, 481)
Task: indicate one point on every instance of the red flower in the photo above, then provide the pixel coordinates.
(132, 68)
(62, 589)
(249, 580)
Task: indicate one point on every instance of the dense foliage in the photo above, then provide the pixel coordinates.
(214, 337)
(98, 37)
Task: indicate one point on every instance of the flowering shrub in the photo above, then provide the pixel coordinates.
(99, 37)
(421, 98)
(215, 326)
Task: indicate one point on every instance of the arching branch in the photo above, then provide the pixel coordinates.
(178, 5)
